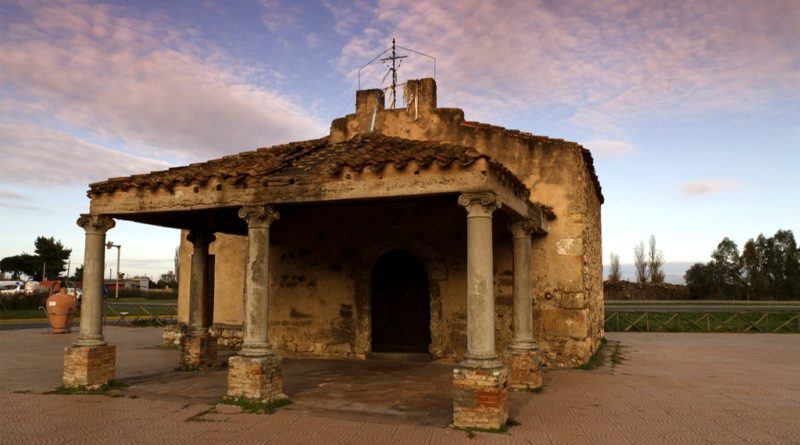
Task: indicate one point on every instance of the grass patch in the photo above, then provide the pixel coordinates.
(101, 390)
(187, 368)
(616, 355)
(597, 358)
(254, 406)
(471, 431)
(22, 314)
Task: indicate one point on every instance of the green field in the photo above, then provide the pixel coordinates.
(141, 310)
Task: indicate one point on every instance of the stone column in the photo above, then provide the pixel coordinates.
(522, 356)
(90, 362)
(480, 393)
(255, 373)
(197, 347)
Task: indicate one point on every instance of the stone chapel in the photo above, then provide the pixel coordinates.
(406, 233)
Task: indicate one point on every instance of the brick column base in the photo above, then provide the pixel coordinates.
(89, 366)
(255, 378)
(524, 370)
(198, 351)
(480, 398)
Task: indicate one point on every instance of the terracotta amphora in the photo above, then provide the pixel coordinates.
(60, 309)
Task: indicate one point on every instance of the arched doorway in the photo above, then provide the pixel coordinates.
(400, 309)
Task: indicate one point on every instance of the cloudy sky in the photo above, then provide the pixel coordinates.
(691, 109)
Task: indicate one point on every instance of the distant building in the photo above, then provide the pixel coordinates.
(137, 283)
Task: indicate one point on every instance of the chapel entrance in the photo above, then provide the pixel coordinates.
(401, 314)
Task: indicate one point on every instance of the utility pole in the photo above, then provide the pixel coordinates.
(393, 70)
(109, 245)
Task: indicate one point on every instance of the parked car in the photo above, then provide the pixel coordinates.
(12, 288)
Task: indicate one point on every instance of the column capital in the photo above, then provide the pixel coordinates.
(479, 203)
(521, 228)
(96, 224)
(200, 237)
(259, 216)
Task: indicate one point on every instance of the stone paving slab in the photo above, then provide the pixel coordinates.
(668, 388)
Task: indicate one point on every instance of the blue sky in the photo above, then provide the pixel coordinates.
(691, 109)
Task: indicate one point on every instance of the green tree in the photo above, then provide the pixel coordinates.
(755, 269)
(167, 279)
(700, 281)
(727, 270)
(784, 265)
(78, 274)
(53, 255)
(23, 264)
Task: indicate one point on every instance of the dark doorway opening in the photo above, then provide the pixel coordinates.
(401, 314)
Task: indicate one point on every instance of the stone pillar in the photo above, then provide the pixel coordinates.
(522, 356)
(480, 382)
(255, 373)
(197, 347)
(90, 362)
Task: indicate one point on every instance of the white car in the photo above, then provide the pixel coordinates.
(11, 288)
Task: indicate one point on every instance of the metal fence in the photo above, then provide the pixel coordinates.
(743, 321)
(132, 314)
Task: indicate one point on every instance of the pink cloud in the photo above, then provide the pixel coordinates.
(163, 91)
(41, 157)
(608, 61)
(707, 186)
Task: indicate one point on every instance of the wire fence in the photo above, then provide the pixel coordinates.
(743, 321)
(131, 314)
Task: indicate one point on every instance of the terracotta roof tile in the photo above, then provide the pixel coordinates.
(316, 157)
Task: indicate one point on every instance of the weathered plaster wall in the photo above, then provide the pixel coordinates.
(321, 261)
(229, 259)
(568, 309)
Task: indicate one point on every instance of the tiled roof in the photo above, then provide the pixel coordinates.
(315, 157)
(585, 153)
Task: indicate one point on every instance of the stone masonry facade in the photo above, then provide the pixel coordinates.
(524, 369)
(480, 398)
(88, 366)
(197, 351)
(255, 378)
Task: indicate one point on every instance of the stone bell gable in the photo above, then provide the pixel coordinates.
(567, 263)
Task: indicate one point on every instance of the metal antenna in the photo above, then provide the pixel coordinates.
(393, 69)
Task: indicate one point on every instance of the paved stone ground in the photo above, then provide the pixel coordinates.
(667, 388)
